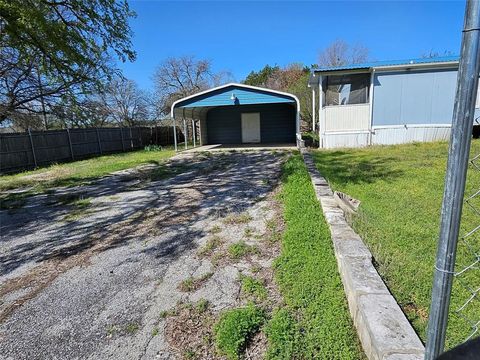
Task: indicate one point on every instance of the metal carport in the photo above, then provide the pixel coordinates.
(239, 114)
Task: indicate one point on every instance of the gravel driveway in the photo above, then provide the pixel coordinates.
(90, 279)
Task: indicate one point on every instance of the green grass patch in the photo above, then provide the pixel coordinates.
(253, 287)
(283, 334)
(76, 172)
(315, 322)
(401, 189)
(235, 327)
(241, 249)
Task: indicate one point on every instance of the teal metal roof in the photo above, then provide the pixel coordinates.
(234, 95)
(393, 63)
(197, 105)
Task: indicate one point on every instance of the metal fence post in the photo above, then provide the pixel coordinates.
(131, 139)
(33, 148)
(462, 123)
(98, 140)
(70, 143)
(121, 138)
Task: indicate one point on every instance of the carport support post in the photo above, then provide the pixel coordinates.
(185, 133)
(320, 120)
(313, 109)
(458, 154)
(175, 133)
(193, 132)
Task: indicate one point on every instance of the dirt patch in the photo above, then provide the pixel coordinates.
(418, 312)
(189, 331)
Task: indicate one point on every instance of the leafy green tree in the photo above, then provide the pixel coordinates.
(261, 77)
(292, 78)
(51, 47)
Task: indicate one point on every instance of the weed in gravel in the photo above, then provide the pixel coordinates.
(69, 199)
(241, 249)
(155, 332)
(202, 305)
(253, 288)
(131, 328)
(256, 269)
(215, 229)
(166, 313)
(216, 258)
(111, 330)
(14, 201)
(211, 244)
(248, 232)
(80, 209)
(271, 224)
(189, 354)
(237, 219)
(235, 328)
(192, 284)
(82, 203)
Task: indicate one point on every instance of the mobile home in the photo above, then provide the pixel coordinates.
(385, 102)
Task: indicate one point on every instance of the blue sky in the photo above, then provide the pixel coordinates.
(240, 36)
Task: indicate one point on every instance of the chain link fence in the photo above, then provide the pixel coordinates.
(466, 283)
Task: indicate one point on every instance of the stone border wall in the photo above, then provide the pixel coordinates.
(383, 329)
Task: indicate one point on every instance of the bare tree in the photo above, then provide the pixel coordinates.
(176, 78)
(24, 88)
(341, 53)
(125, 103)
(431, 54)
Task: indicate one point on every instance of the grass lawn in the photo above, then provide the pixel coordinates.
(76, 172)
(315, 323)
(401, 190)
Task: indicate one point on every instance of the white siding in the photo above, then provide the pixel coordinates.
(407, 134)
(346, 117)
(348, 140)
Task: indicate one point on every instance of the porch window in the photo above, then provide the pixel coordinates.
(346, 89)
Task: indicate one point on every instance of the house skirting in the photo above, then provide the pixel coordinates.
(386, 135)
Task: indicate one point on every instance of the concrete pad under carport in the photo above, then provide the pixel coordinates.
(243, 147)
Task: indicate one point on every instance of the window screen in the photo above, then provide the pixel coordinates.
(346, 89)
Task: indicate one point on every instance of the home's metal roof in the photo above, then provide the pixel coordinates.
(390, 63)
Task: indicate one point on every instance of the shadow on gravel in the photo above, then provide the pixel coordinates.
(150, 203)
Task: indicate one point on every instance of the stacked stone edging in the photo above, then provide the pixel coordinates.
(383, 329)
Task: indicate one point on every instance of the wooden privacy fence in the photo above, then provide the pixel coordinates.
(19, 151)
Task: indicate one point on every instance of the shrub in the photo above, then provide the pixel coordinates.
(153, 148)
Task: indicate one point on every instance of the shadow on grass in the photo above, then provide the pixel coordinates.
(347, 167)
